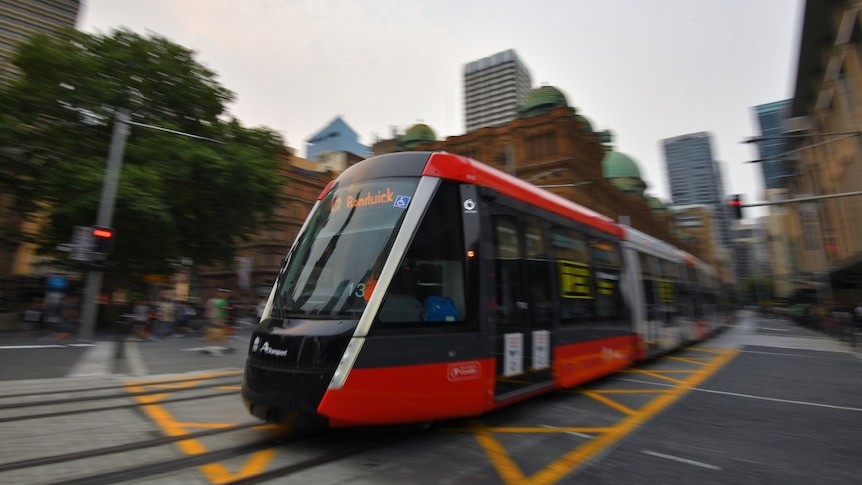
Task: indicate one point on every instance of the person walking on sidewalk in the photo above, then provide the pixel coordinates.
(217, 315)
(141, 320)
(167, 318)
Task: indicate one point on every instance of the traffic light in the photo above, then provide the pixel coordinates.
(103, 240)
(736, 206)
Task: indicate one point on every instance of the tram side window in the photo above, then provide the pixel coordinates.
(696, 292)
(610, 307)
(576, 286)
(649, 270)
(507, 268)
(538, 271)
(685, 293)
(428, 287)
(668, 289)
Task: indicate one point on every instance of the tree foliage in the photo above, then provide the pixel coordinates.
(177, 196)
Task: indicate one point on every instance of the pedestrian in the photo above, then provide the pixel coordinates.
(167, 318)
(216, 332)
(141, 320)
(259, 308)
(67, 324)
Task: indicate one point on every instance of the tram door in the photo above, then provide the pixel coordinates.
(524, 307)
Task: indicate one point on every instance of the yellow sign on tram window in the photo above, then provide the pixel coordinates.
(605, 287)
(665, 291)
(575, 280)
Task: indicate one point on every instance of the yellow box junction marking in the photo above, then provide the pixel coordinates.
(603, 436)
(214, 472)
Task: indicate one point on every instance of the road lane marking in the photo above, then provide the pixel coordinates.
(255, 463)
(134, 359)
(98, 360)
(786, 401)
(610, 403)
(42, 346)
(557, 470)
(557, 429)
(656, 374)
(681, 460)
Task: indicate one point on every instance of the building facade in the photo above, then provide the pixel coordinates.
(494, 87)
(19, 20)
(827, 169)
(695, 178)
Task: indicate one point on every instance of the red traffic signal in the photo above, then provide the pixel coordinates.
(736, 206)
(103, 240)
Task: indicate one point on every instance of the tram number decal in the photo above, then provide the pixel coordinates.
(665, 291)
(575, 280)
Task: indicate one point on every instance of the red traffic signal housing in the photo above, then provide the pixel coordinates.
(736, 206)
(103, 240)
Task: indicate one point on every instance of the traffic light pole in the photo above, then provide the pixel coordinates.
(803, 199)
(103, 218)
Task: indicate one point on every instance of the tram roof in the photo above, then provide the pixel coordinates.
(456, 167)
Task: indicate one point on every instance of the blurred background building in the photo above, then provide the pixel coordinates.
(824, 155)
(695, 177)
(336, 137)
(494, 87)
(19, 19)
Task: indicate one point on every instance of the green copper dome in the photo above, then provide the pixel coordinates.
(417, 135)
(588, 127)
(618, 165)
(541, 100)
(656, 204)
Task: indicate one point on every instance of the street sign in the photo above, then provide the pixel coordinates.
(82, 243)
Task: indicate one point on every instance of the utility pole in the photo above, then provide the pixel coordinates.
(103, 218)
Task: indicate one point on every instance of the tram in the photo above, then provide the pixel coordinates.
(427, 286)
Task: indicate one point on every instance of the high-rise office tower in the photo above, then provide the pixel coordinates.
(695, 177)
(20, 19)
(772, 118)
(493, 88)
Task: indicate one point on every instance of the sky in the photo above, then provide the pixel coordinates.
(646, 70)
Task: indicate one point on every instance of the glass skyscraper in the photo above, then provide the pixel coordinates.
(772, 118)
(695, 178)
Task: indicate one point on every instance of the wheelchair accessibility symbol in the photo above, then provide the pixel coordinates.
(402, 201)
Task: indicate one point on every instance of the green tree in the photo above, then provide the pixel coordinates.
(177, 196)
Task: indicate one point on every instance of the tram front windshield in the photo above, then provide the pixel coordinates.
(337, 259)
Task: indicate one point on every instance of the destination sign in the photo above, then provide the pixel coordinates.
(349, 199)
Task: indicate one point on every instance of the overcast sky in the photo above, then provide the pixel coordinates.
(646, 70)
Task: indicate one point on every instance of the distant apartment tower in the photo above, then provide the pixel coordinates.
(773, 121)
(19, 19)
(494, 86)
(695, 178)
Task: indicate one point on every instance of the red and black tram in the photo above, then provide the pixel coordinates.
(427, 286)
